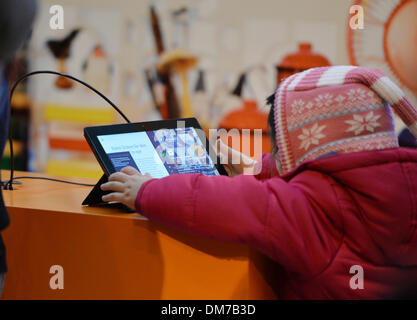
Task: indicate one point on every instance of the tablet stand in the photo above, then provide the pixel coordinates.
(94, 198)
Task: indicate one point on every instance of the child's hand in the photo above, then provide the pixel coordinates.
(126, 185)
(234, 161)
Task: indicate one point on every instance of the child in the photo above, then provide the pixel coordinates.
(342, 205)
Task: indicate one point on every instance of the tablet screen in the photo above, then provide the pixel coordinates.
(160, 153)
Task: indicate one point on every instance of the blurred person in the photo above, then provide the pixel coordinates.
(336, 194)
(16, 18)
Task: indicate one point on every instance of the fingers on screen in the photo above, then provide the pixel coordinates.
(112, 186)
(118, 176)
(113, 197)
(129, 170)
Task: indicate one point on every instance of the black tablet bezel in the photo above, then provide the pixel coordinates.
(91, 133)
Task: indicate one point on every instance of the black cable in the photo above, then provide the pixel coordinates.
(51, 179)
(9, 184)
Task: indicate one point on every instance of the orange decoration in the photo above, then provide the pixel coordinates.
(248, 117)
(299, 61)
(63, 82)
(98, 52)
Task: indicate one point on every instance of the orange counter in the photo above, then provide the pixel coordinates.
(109, 255)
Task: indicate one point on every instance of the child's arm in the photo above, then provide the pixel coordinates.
(234, 161)
(238, 163)
(273, 216)
(266, 168)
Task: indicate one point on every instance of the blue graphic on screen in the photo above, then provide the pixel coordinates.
(121, 160)
(159, 153)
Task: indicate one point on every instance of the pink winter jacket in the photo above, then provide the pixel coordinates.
(316, 222)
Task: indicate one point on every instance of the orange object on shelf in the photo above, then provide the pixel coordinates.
(63, 82)
(299, 61)
(248, 117)
(106, 254)
(99, 52)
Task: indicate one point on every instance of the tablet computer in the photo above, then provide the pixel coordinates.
(160, 148)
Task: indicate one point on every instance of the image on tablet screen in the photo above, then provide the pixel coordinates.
(160, 153)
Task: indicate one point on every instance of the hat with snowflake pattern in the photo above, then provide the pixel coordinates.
(339, 109)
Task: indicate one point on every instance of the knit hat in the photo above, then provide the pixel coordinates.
(339, 109)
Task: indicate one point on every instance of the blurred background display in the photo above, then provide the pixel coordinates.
(215, 60)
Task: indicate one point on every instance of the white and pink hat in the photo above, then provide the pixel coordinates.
(337, 109)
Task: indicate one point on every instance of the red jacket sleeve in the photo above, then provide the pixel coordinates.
(265, 167)
(273, 216)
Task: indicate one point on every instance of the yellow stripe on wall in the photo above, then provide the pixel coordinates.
(74, 168)
(79, 114)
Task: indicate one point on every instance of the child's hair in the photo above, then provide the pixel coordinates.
(271, 123)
